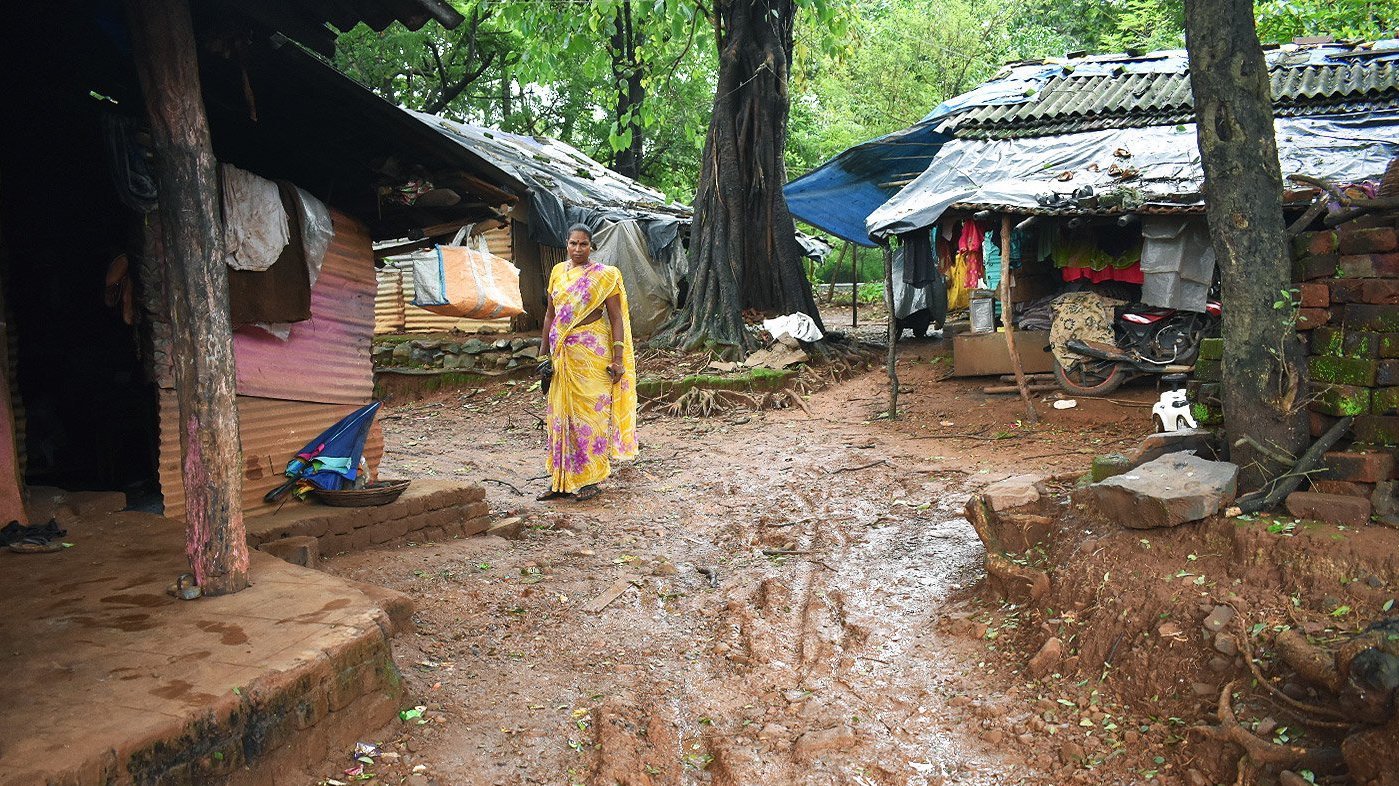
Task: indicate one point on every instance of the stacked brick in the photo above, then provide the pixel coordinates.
(1348, 281)
(441, 514)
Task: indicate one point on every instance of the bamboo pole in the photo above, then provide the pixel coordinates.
(164, 50)
(1008, 320)
(893, 330)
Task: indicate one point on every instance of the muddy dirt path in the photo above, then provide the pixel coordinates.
(778, 580)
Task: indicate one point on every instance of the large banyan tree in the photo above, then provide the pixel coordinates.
(743, 249)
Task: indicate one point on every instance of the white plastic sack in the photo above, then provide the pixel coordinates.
(798, 326)
(254, 222)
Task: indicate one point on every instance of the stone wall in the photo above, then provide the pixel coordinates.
(470, 354)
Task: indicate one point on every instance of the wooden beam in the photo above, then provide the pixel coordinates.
(1008, 320)
(196, 281)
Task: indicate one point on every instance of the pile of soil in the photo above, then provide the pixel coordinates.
(1142, 633)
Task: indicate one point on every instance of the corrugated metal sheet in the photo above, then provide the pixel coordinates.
(271, 431)
(395, 313)
(1303, 82)
(388, 302)
(326, 359)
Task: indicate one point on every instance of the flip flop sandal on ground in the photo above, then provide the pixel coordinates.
(36, 544)
(586, 493)
(548, 495)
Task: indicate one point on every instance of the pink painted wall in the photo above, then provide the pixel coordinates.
(327, 358)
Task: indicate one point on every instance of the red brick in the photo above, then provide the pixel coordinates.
(1377, 240)
(1381, 291)
(1308, 318)
(1387, 373)
(1345, 488)
(1358, 467)
(1385, 401)
(1313, 267)
(1360, 344)
(1389, 345)
(1367, 316)
(1333, 508)
(1368, 265)
(477, 525)
(1346, 290)
(1315, 295)
(1321, 242)
(1377, 429)
(1319, 424)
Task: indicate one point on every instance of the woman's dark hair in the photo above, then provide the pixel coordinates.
(580, 228)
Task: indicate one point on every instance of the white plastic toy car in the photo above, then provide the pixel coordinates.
(1172, 412)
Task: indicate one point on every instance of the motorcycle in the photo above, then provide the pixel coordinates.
(1148, 340)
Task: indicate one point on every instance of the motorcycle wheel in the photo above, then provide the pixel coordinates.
(1090, 377)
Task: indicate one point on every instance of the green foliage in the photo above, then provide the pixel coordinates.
(1279, 21)
(861, 68)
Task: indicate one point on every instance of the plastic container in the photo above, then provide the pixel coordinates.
(982, 312)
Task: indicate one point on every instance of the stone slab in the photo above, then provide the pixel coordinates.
(1172, 490)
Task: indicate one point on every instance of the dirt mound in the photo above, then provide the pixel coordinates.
(1140, 640)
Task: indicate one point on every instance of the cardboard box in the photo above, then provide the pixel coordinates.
(984, 354)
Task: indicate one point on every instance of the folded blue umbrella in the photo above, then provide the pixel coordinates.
(331, 460)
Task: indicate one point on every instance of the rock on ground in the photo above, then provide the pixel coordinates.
(1171, 490)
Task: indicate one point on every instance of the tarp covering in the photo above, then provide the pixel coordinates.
(1079, 94)
(568, 187)
(1162, 162)
(838, 196)
(1177, 262)
(649, 301)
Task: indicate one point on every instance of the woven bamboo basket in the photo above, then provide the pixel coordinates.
(381, 493)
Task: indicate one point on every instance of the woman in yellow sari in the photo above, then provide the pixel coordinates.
(591, 416)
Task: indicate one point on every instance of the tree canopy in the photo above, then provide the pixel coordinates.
(631, 82)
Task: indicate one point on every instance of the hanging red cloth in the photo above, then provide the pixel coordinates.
(969, 249)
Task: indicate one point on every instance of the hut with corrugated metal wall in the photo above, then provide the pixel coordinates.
(95, 390)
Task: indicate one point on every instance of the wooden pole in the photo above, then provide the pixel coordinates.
(835, 273)
(1008, 320)
(196, 282)
(854, 285)
(893, 330)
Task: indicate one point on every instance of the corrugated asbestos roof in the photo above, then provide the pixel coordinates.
(1119, 91)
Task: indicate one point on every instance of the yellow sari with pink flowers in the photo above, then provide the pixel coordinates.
(591, 420)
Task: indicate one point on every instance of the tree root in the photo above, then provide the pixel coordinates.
(702, 402)
(1259, 753)
(1311, 663)
(1247, 647)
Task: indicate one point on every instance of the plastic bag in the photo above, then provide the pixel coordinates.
(457, 281)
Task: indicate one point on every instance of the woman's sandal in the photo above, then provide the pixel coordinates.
(551, 494)
(586, 493)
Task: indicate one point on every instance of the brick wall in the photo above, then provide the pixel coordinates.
(1348, 279)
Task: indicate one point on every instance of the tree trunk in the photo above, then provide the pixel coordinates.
(197, 291)
(626, 75)
(743, 247)
(1264, 396)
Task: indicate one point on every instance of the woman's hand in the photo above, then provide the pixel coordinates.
(615, 371)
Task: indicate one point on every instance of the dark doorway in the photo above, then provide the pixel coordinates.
(88, 416)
